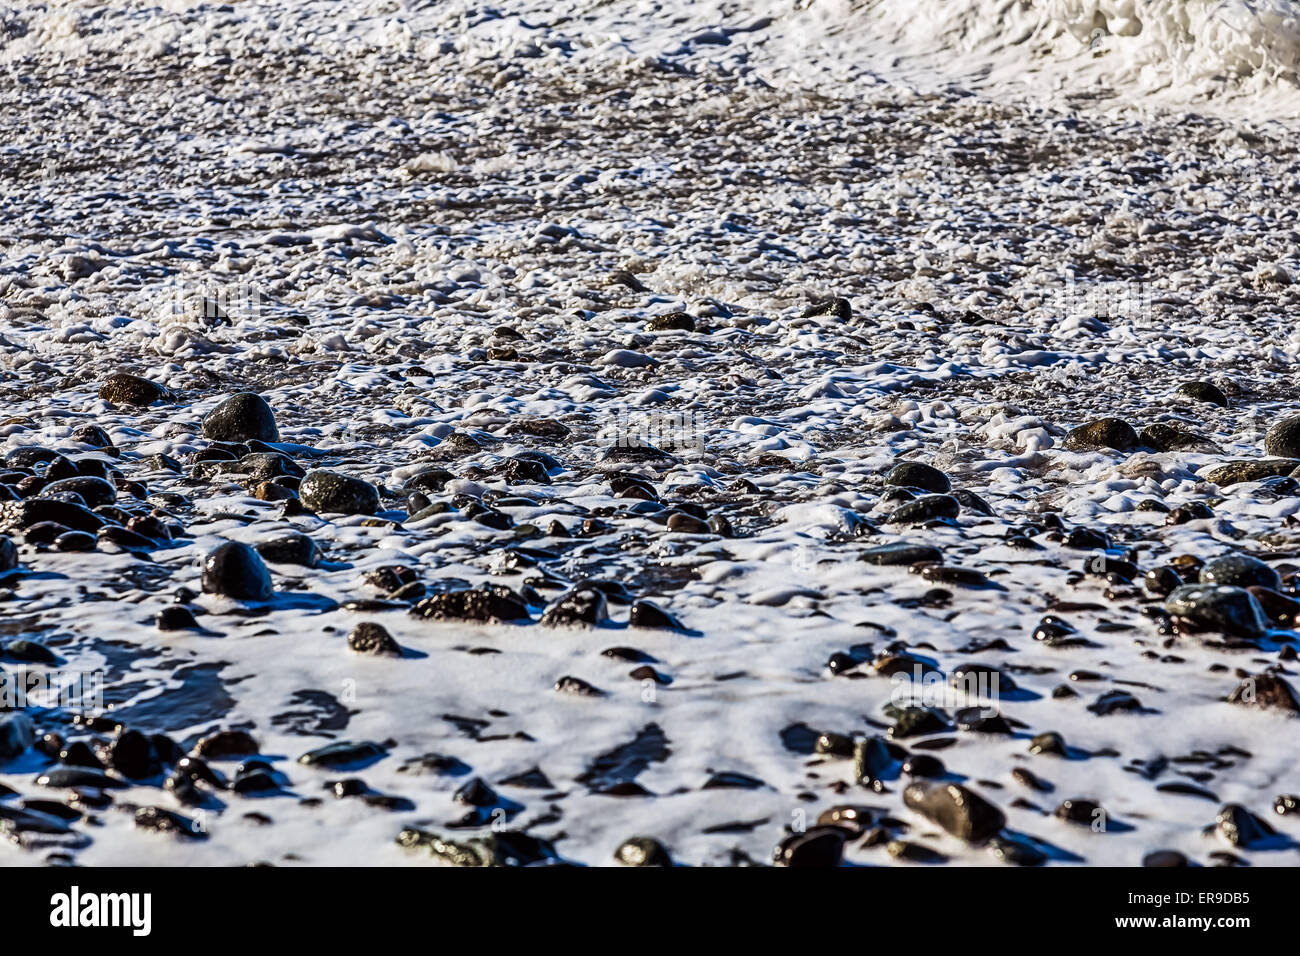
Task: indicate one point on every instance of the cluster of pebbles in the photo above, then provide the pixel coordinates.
(512, 460)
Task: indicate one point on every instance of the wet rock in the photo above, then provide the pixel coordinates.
(120, 537)
(292, 548)
(92, 435)
(983, 721)
(92, 491)
(1279, 610)
(839, 307)
(489, 604)
(329, 492)
(872, 762)
(900, 553)
(525, 471)
(973, 503)
(1240, 570)
(254, 780)
(390, 577)
(1236, 472)
(343, 753)
(1016, 852)
(8, 555)
(160, 820)
(1113, 702)
(1057, 632)
(671, 322)
(732, 780)
(175, 618)
(851, 817)
(833, 744)
(501, 848)
(235, 570)
(132, 756)
(18, 515)
(1268, 691)
(926, 508)
(1286, 804)
(914, 852)
(981, 680)
(31, 652)
(67, 777)
(1103, 433)
(926, 766)
(1027, 778)
(78, 753)
(915, 722)
(1224, 610)
(642, 851)
(532, 778)
(1049, 742)
(240, 418)
(226, 743)
(1242, 828)
(374, 639)
(818, 848)
(75, 541)
(959, 810)
(1113, 569)
(1086, 539)
(1161, 582)
(687, 524)
(1083, 812)
(1283, 439)
(577, 607)
(958, 576)
(915, 474)
(1164, 437)
(577, 687)
(126, 389)
(1206, 392)
(649, 615)
(16, 734)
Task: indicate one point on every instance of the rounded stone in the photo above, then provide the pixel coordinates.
(1283, 439)
(371, 638)
(242, 417)
(335, 493)
(1226, 610)
(235, 570)
(916, 474)
(1101, 433)
(671, 322)
(1240, 570)
(900, 553)
(926, 508)
(1202, 392)
(292, 547)
(1236, 472)
(125, 389)
(93, 491)
(93, 436)
(642, 851)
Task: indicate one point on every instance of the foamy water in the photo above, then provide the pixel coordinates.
(402, 187)
(1235, 54)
